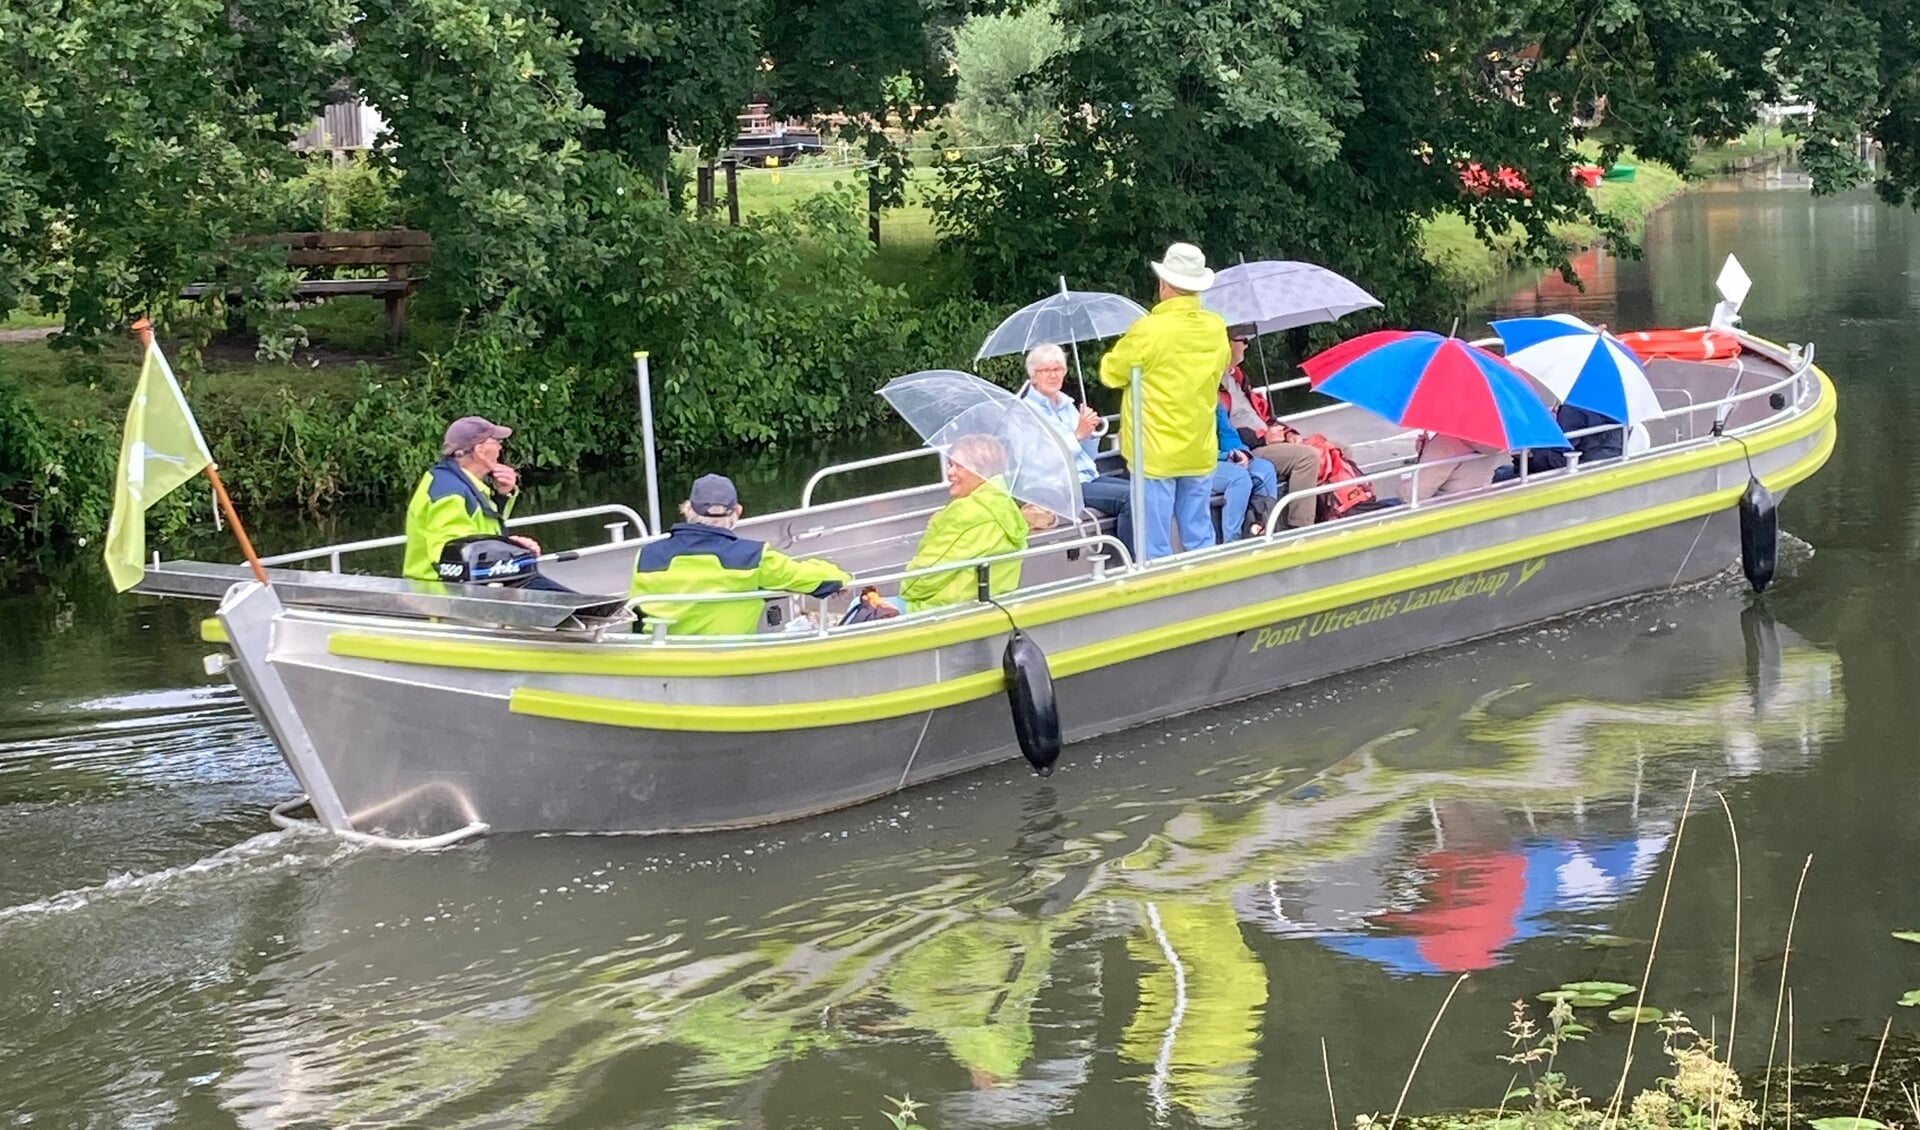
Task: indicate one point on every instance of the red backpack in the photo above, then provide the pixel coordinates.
(1335, 466)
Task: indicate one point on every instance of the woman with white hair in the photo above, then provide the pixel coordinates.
(1104, 494)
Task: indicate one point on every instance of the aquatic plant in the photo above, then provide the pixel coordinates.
(905, 1112)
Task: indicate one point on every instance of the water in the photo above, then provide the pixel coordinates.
(1164, 933)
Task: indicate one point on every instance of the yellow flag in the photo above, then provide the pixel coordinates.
(161, 449)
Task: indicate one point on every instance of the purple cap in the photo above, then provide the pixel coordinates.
(467, 432)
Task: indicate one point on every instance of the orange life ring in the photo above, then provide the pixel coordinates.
(1682, 345)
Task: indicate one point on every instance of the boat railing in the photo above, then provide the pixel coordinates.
(1800, 377)
(1109, 545)
(1399, 470)
(806, 492)
(616, 532)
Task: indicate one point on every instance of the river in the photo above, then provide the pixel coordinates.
(1168, 932)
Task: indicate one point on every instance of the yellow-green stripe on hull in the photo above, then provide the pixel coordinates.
(754, 719)
(933, 696)
(750, 658)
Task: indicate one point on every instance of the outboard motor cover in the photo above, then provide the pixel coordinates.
(1759, 534)
(486, 560)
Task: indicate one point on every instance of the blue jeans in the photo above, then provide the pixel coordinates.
(1239, 482)
(1112, 494)
(1182, 501)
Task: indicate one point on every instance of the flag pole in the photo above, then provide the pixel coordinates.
(143, 329)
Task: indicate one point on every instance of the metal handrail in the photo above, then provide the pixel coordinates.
(1101, 540)
(334, 552)
(1400, 471)
(1282, 386)
(806, 492)
(1126, 561)
(1797, 375)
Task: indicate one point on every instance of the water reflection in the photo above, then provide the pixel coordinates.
(975, 945)
(1164, 931)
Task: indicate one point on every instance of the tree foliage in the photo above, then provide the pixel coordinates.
(1002, 97)
(139, 140)
(1327, 129)
(140, 143)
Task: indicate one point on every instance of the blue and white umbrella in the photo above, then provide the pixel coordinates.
(1583, 365)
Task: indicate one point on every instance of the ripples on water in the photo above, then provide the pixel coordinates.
(1127, 936)
(1163, 933)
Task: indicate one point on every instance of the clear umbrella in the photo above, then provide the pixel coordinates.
(1279, 294)
(1028, 453)
(1066, 318)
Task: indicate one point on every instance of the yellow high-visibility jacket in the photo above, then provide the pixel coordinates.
(1182, 351)
(448, 504)
(695, 558)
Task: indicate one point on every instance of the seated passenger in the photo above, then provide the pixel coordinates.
(1104, 494)
(703, 555)
(1246, 406)
(1248, 412)
(459, 497)
(1457, 478)
(1596, 448)
(982, 520)
(1599, 447)
(1248, 483)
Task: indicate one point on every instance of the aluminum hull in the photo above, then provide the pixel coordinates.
(413, 728)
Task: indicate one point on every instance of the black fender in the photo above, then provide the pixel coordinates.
(1036, 720)
(1759, 534)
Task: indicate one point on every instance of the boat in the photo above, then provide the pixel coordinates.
(418, 714)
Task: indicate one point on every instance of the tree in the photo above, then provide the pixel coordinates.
(1328, 129)
(1002, 98)
(662, 71)
(139, 140)
(1322, 130)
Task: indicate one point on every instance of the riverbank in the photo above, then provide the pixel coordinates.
(1469, 265)
(348, 418)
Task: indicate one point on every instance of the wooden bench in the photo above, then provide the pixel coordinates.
(396, 249)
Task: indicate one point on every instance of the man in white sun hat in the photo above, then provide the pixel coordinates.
(1181, 350)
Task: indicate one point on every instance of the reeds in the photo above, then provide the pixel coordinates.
(1660, 920)
(1422, 1053)
(1781, 1000)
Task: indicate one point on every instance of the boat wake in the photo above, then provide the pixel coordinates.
(266, 851)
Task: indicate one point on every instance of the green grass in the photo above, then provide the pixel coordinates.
(1470, 266)
(69, 384)
(28, 317)
(905, 256)
(1752, 147)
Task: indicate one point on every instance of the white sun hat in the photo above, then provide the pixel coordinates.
(1184, 266)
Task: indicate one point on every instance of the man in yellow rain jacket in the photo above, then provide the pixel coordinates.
(1181, 351)
(469, 493)
(704, 555)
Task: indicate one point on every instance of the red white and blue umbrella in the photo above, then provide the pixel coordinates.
(1418, 379)
(1583, 365)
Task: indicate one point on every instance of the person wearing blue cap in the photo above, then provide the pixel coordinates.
(702, 554)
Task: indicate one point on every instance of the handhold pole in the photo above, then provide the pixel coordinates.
(1136, 466)
(645, 381)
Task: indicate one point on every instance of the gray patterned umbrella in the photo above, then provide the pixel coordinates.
(1279, 294)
